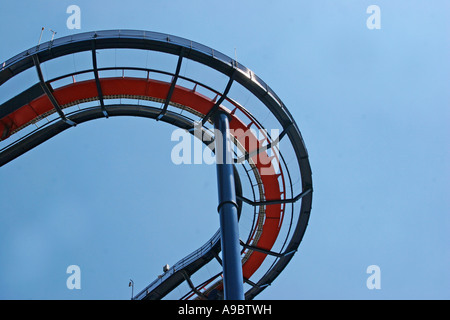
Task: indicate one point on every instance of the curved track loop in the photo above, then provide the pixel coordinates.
(34, 104)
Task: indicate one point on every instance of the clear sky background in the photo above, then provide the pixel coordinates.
(372, 106)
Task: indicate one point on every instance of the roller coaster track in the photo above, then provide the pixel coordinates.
(279, 206)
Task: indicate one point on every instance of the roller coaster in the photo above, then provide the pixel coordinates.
(271, 180)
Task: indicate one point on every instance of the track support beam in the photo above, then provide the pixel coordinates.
(48, 92)
(228, 211)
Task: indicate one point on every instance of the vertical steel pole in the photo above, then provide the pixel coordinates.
(228, 211)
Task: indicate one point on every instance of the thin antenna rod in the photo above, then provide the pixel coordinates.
(40, 37)
(53, 35)
(131, 284)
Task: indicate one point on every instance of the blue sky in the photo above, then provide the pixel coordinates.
(373, 109)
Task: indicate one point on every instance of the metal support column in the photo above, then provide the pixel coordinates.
(228, 211)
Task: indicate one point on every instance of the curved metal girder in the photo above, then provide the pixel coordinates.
(173, 45)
